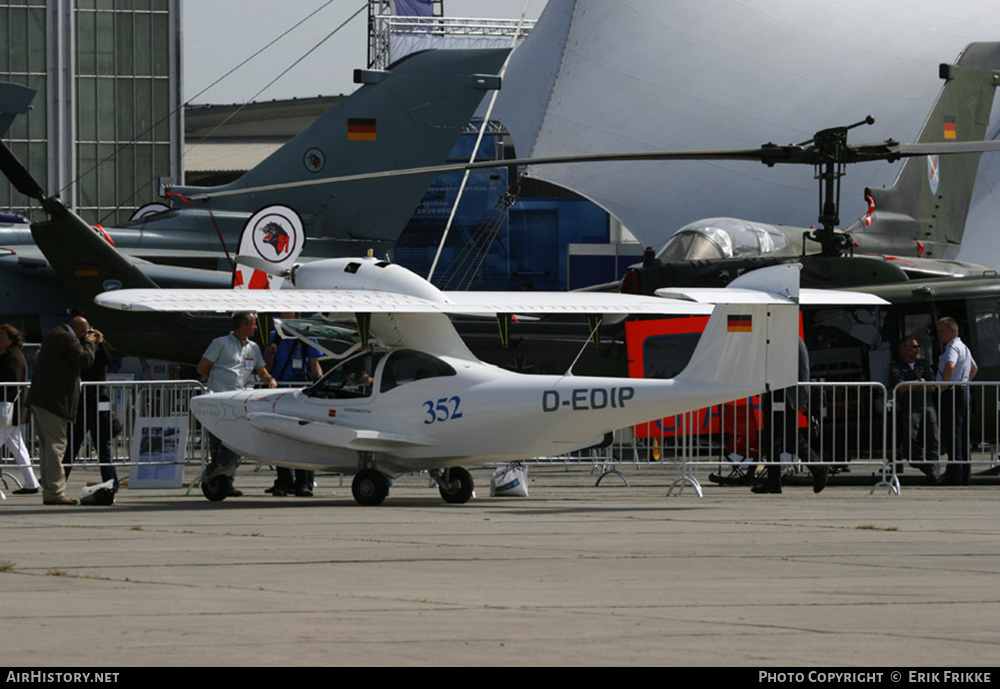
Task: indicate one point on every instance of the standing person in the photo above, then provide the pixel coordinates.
(788, 439)
(228, 364)
(90, 418)
(292, 360)
(14, 369)
(54, 396)
(956, 365)
(916, 417)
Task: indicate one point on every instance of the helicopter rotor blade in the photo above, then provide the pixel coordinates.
(18, 175)
(948, 147)
(769, 154)
(754, 154)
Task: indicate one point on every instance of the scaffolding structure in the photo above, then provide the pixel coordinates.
(384, 25)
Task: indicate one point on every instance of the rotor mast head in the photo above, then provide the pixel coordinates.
(832, 154)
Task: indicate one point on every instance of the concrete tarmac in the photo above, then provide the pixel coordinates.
(573, 575)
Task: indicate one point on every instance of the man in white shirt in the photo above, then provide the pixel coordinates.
(955, 364)
(228, 363)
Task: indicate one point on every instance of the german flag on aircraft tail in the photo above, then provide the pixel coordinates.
(85, 270)
(950, 130)
(361, 129)
(740, 324)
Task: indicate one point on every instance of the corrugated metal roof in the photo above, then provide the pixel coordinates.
(229, 156)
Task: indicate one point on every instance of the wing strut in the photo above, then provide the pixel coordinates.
(594, 321)
(503, 323)
(364, 322)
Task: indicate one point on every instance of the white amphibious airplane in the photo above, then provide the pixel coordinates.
(421, 401)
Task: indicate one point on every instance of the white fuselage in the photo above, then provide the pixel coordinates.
(480, 414)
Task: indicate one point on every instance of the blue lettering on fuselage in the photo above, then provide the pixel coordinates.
(581, 399)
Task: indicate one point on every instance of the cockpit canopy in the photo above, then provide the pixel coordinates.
(356, 376)
(716, 238)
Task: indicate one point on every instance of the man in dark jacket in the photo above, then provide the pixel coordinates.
(782, 434)
(54, 396)
(916, 416)
(91, 418)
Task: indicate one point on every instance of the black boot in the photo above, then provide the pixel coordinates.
(821, 474)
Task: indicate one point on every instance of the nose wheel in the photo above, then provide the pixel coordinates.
(370, 487)
(217, 488)
(455, 485)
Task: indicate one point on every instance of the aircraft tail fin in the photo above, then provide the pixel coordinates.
(929, 201)
(14, 100)
(751, 338)
(410, 115)
(88, 264)
(83, 257)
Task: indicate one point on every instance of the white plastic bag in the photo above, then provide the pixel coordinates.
(510, 480)
(99, 494)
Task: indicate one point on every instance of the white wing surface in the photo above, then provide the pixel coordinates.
(808, 297)
(358, 301)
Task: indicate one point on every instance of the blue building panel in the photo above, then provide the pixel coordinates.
(541, 231)
(492, 247)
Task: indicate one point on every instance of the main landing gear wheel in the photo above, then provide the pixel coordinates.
(456, 486)
(217, 488)
(370, 487)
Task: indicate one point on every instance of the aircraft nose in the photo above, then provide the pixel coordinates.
(207, 408)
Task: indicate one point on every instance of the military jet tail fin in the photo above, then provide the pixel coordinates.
(410, 115)
(929, 201)
(83, 256)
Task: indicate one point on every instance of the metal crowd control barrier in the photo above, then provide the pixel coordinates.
(120, 420)
(13, 436)
(932, 419)
(840, 426)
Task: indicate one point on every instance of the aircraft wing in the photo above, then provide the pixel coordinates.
(365, 301)
(836, 297)
(810, 297)
(548, 303)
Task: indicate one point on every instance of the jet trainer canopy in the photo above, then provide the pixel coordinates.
(716, 238)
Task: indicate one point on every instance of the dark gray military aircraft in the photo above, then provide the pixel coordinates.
(912, 229)
(409, 115)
